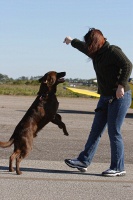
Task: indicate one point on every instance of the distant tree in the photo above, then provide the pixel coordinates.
(23, 78)
(4, 78)
(35, 77)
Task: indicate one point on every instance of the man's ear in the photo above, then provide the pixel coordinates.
(43, 79)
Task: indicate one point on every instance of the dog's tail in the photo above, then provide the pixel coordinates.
(7, 144)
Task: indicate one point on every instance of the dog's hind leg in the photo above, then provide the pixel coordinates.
(11, 159)
(61, 125)
(22, 155)
(18, 160)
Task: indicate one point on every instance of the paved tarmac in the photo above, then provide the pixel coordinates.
(45, 175)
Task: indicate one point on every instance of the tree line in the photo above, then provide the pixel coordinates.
(34, 80)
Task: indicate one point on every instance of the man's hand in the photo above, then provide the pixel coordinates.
(67, 40)
(120, 92)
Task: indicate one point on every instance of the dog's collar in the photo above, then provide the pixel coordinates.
(46, 96)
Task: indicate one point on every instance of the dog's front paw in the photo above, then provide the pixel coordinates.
(66, 134)
(19, 172)
(11, 169)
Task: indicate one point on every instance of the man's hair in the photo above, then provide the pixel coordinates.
(94, 40)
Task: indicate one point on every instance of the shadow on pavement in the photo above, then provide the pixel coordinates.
(129, 115)
(51, 171)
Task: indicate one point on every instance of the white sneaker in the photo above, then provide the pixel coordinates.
(75, 163)
(82, 169)
(113, 173)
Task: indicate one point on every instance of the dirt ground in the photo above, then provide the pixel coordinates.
(51, 144)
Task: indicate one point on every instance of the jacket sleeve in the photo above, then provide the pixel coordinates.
(79, 45)
(125, 66)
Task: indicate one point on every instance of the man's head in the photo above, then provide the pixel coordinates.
(94, 40)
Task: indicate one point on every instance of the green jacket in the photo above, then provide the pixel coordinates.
(111, 65)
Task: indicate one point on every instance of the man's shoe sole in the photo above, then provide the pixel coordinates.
(80, 168)
(113, 175)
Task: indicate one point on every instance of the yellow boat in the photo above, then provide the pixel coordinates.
(82, 91)
(94, 94)
(131, 86)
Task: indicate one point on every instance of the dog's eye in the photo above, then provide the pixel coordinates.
(51, 80)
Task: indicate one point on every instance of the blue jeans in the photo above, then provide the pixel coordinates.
(110, 114)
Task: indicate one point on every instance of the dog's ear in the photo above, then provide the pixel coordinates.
(61, 74)
(43, 79)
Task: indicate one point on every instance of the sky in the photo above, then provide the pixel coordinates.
(32, 34)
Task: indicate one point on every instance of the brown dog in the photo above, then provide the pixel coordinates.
(41, 112)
